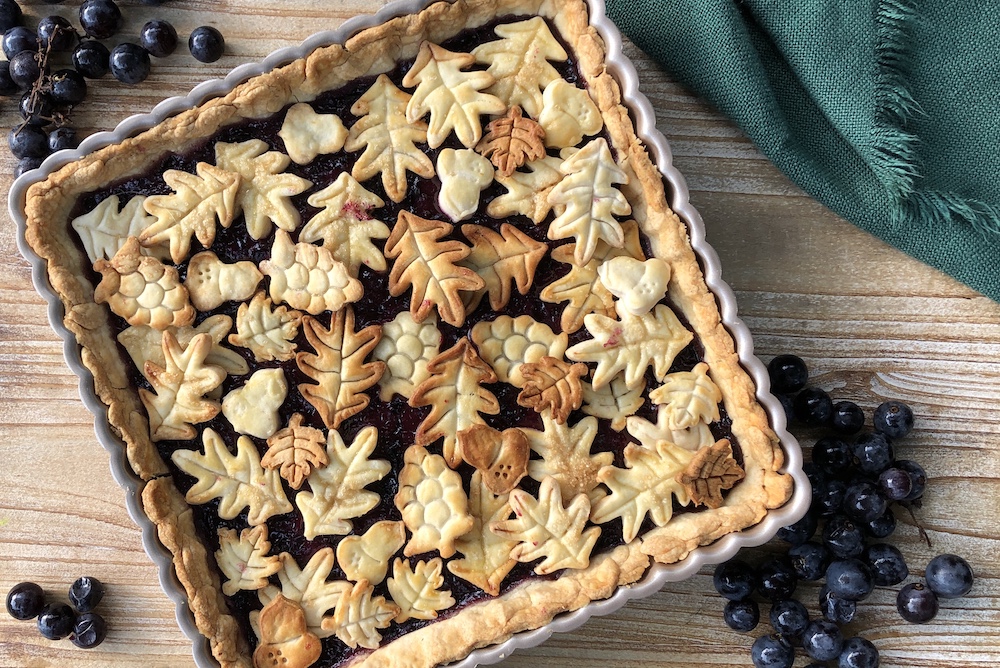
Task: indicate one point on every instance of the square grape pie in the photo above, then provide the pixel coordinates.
(405, 342)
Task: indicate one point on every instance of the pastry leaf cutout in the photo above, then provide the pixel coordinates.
(238, 481)
(430, 266)
(338, 489)
(339, 366)
(552, 385)
(711, 471)
(690, 397)
(345, 225)
(180, 387)
(311, 588)
(591, 200)
(243, 558)
(452, 97)
(417, 590)
(456, 395)
(511, 141)
(143, 343)
(295, 451)
(646, 486)
(104, 230)
(268, 333)
(198, 201)
(565, 456)
(387, 138)
(510, 256)
(527, 192)
(631, 344)
(265, 189)
(486, 555)
(614, 401)
(359, 615)
(519, 62)
(545, 529)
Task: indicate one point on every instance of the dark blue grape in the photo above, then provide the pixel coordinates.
(206, 44)
(847, 418)
(916, 603)
(85, 593)
(918, 478)
(28, 141)
(63, 137)
(26, 165)
(873, 453)
(831, 500)
(787, 405)
(92, 59)
(843, 537)
(129, 63)
(10, 15)
(893, 418)
(25, 601)
(887, 563)
(895, 484)
(56, 34)
(809, 560)
(67, 87)
(822, 640)
(742, 616)
(850, 579)
(56, 620)
(24, 69)
(777, 579)
(801, 531)
(735, 579)
(836, 609)
(788, 374)
(158, 37)
(100, 18)
(882, 526)
(7, 84)
(949, 576)
(813, 407)
(833, 455)
(858, 653)
(18, 39)
(89, 631)
(863, 503)
(789, 619)
(772, 652)
(817, 482)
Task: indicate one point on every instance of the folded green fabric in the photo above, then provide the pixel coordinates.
(886, 111)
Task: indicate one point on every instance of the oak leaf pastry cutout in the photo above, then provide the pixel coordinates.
(582, 287)
(198, 201)
(527, 192)
(454, 391)
(646, 486)
(546, 529)
(144, 343)
(507, 343)
(693, 438)
(211, 282)
(430, 266)
(552, 385)
(285, 640)
(615, 401)
(265, 189)
(311, 588)
(345, 225)
(269, 333)
(253, 408)
(638, 285)
(359, 615)
(406, 347)
(388, 139)
(486, 557)
(711, 471)
(307, 277)
(500, 457)
(179, 388)
(510, 256)
(587, 190)
(295, 451)
(631, 344)
(338, 489)
(433, 503)
(366, 557)
(511, 141)
(464, 174)
(307, 134)
(565, 456)
(451, 97)
(417, 590)
(338, 367)
(143, 290)
(689, 397)
(568, 115)
(244, 559)
(237, 480)
(105, 229)
(519, 62)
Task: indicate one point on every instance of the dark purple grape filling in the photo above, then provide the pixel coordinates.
(395, 419)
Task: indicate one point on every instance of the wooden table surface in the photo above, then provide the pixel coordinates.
(871, 322)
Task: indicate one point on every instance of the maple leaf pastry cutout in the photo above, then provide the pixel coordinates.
(295, 451)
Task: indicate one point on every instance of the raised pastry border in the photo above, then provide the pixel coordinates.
(75, 317)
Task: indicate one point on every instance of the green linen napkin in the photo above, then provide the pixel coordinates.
(886, 111)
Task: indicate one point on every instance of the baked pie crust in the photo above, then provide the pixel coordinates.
(230, 380)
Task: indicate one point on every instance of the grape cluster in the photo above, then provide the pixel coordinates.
(856, 483)
(85, 627)
(49, 67)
